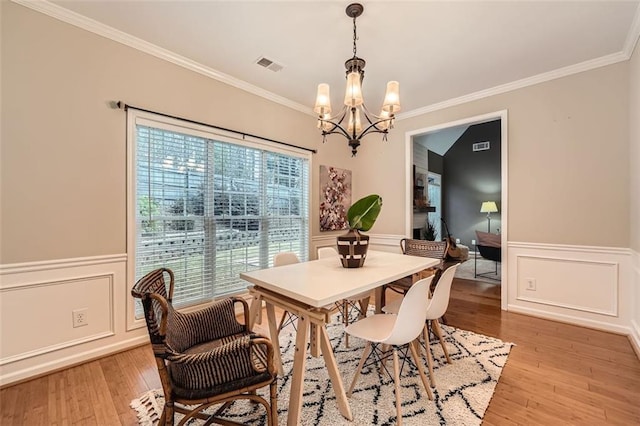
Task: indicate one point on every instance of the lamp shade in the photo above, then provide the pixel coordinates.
(353, 94)
(384, 125)
(323, 100)
(392, 97)
(488, 207)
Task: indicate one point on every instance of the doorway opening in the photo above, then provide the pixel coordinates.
(461, 206)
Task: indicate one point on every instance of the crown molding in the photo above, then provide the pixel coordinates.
(91, 25)
(80, 21)
(519, 84)
(633, 35)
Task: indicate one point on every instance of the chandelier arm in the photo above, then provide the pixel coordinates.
(376, 120)
(337, 128)
(372, 128)
(342, 114)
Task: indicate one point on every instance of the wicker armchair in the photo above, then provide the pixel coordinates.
(205, 357)
(423, 248)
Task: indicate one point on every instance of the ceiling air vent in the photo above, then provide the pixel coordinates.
(269, 64)
(481, 146)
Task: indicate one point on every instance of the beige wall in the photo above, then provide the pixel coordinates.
(568, 159)
(64, 150)
(634, 117)
(634, 193)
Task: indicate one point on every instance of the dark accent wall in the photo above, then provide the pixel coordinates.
(468, 179)
(435, 162)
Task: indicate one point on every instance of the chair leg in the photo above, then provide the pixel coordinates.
(396, 385)
(427, 349)
(365, 354)
(168, 414)
(438, 331)
(273, 409)
(163, 418)
(345, 321)
(364, 306)
(284, 316)
(418, 361)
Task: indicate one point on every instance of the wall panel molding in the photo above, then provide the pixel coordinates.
(599, 280)
(48, 311)
(584, 285)
(37, 300)
(21, 268)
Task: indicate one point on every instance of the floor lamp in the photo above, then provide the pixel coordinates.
(488, 207)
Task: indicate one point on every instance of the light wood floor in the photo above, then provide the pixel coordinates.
(557, 374)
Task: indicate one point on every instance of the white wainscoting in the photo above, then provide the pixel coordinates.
(635, 321)
(380, 242)
(36, 304)
(588, 286)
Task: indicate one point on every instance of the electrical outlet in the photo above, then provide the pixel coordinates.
(531, 284)
(80, 317)
(473, 242)
(457, 240)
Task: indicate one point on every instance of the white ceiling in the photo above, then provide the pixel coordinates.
(437, 50)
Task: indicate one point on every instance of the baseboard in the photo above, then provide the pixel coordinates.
(634, 337)
(568, 319)
(29, 373)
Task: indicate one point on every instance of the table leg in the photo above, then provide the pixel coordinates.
(297, 382)
(314, 340)
(275, 340)
(254, 311)
(334, 374)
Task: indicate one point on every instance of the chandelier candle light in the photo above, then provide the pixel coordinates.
(354, 107)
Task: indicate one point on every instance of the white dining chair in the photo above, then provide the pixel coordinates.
(359, 302)
(437, 306)
(395, 330)
(281, 259)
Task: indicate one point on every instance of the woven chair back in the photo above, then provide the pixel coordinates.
(151, 289)
(424, 248)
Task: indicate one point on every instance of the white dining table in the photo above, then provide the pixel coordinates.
(305, 289)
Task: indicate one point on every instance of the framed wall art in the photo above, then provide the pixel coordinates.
(335, 198)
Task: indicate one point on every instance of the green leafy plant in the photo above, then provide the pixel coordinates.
(363, 213)
(428, 231)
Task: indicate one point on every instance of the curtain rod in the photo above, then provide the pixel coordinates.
(124, 106)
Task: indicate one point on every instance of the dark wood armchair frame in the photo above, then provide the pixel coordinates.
(156, 300)
(489, 250)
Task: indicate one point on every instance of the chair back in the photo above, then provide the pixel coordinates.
(489, 245)
(151, 289)
(327, 252)
(489, 240)
(424, 248)
(285, 258)
(412, 314)
(439, 301)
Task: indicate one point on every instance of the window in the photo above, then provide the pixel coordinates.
(209, 207)
(435, 199)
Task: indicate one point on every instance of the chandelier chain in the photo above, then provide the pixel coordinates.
(355, 37)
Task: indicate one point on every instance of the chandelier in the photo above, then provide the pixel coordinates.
(354, 108)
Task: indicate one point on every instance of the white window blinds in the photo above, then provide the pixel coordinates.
(209, 207)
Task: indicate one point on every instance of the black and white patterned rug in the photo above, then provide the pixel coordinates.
(462, 394)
